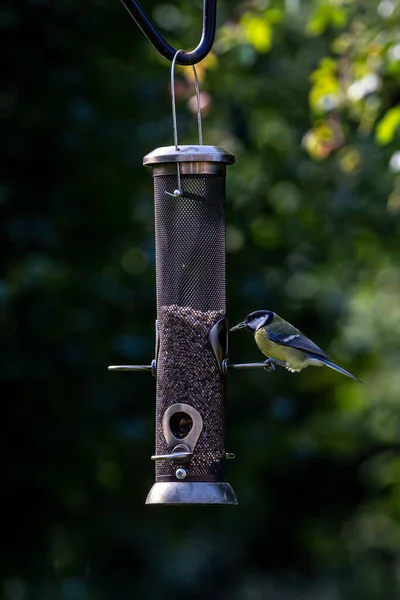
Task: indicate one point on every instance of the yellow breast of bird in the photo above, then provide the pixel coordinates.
(293, 357)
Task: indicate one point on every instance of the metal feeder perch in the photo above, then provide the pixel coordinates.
(191, 361)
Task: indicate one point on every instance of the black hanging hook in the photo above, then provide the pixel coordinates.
(160, 44)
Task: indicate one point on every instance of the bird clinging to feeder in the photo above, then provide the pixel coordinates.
(285, 345)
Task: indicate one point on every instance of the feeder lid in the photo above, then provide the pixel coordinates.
(195, 153)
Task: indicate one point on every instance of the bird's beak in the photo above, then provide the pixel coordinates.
(239, 326)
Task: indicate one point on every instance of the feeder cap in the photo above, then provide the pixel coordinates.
(195, 153)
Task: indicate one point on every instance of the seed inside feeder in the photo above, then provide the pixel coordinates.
(188, 372)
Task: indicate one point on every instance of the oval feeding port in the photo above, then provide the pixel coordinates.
(180, 424)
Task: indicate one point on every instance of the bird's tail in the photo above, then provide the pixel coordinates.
(332, 365)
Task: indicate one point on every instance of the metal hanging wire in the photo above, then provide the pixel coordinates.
(196, 82)
(178, 192)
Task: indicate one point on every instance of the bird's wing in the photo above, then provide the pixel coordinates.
(296, 340)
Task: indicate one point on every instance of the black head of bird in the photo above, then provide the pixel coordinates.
(255, 320)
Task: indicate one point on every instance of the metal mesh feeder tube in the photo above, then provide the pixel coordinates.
(189, 199)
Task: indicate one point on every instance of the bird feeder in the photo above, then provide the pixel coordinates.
(190, 273)
(191, 361)
(191, 330)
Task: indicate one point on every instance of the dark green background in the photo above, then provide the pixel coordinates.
(313, 236)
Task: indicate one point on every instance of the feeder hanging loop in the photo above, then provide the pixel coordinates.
(196, 82)
(160, 44)
(178, 193)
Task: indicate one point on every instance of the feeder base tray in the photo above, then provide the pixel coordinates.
(177, 492)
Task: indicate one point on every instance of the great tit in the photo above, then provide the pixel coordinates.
(285, 345)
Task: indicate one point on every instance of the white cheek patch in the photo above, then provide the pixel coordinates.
(257, 323)
(290, 338)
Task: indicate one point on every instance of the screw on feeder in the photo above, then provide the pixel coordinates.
(180, 473)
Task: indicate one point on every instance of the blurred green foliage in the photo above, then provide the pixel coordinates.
(306, 94)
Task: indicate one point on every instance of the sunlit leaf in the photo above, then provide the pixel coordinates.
(388, 125)
(349, 159)
(327, 14)
(258, 31)
(323, 138)
(325, 90)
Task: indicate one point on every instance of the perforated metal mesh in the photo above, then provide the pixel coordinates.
(190, 263)
(190, 242)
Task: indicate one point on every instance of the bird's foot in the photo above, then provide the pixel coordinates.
(269, 364)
